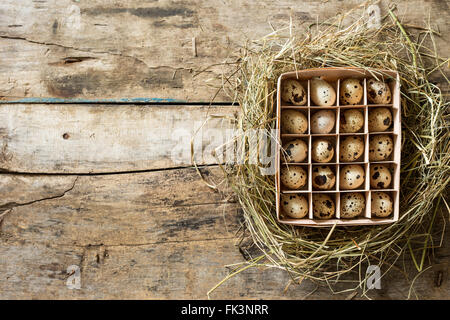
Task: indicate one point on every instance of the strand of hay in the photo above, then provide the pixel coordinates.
(327, 255)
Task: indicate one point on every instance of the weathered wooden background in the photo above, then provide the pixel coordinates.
(91, 178)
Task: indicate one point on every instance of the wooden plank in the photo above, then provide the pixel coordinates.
(128, 209)
(99, 50)
(171, 271)
(133, 240)
(108, 138)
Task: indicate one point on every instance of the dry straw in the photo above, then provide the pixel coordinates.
(328, 255)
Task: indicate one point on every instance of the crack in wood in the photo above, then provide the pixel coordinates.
(8, 207)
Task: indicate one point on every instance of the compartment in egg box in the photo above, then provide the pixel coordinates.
(294, 92)
(295, 149)
(382, 90)
(354, 205)
(325, 206)
(382, 119)
(294, 121)
(383, 147)
(352, 148)
(323, 92)
(324, 177)
(384, 176)
(352, 119)
(384, 207)
(351, 91)
(323, 121)
(294, 177)
(294, 207)
(353, 177)
(323, 149)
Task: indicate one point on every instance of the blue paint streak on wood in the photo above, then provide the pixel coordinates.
(124, 100)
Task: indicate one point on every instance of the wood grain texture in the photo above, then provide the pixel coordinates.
(108, 50)
(133, 240)
(108, 138)
(154, 207)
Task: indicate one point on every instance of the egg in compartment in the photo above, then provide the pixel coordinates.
(352, 204)
(294, 205)
(293, 177)
(351, 148)
(323, 206)
(322, 93)
(293, 121)
(378, 92)
(293, 92)
(380, 147)
(323, 121)
(380, 119)
(351, 92)
(323, 178)
(322, 150)
(351, 120)
(380, 176)
(295, 150)
(381, 204)
(351, 177)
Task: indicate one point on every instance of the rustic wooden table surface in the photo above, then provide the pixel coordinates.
(93, 174)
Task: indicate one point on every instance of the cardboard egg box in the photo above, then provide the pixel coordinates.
(334, 76)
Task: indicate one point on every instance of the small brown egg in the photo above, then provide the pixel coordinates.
(322, 151)
(378, 92)
(323, 121)
(323, 178)
(322, 93)
(293, 121)
(294, 205)
(296, 150)
(293, 92)
(351, 177)
(352, 120)
(293, 177)
(351, 148)
(381, 204)
(380, 119)
(380, 176)
(323, 206)
(352, 204)
(380, 147)
(351, 91)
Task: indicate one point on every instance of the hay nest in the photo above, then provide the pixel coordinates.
(322, 254)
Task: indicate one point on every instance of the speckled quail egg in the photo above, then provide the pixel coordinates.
(293, 92)
(352, 204)
(351, 148)
(323, 178)
(323, 121)
(296, 150)
(380, 119)
(293, 177)
(293, 121)
(380, 147)
(323, 206)
(294, 205)
(378, 92)
(322, 93)
(381, 204)
(322, 151)
(380, 176)
(352, 120)
(351, 177)
(351, 91)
